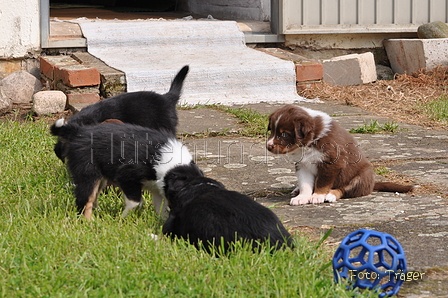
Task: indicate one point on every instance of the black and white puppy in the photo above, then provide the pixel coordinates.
(203, 211)
(133, 157)
(144, 108)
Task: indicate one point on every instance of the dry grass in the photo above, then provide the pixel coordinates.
(400, 99)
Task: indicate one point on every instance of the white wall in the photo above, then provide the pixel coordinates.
(20, 28)
(257, 10)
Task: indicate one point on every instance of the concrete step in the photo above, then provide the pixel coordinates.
(222, 69)
(67, 34)
(82, 77)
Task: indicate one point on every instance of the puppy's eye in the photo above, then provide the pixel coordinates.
(285, 135)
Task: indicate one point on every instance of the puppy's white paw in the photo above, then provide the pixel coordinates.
(296, 191)
(300, 200)
(317, 198)
(330, 198)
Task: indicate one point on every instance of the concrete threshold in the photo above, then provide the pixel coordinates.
(65, 34)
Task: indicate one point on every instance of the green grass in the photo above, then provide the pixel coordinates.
(46, 250)
(255, 123)
(437, 109)
(382, 171)
(375, 127)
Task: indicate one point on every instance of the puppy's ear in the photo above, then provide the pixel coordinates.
(304, 131)
(193, 165)
(269, 123)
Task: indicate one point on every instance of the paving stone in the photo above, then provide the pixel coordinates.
(354, 69)
(411, 55)
(418, 221)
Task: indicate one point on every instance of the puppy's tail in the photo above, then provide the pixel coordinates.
(64, 130)
(393, 187)
(176, 85)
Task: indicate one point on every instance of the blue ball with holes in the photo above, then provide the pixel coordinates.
(370, 259)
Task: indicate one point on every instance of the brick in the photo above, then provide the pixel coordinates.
(306, 69)
(309, 70)
(77, 75)
(354, 69)
(308, 85)
(113, 81)
(49, 63)
(83, 98)
(72, 90)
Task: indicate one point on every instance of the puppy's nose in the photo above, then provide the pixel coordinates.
(270, 145)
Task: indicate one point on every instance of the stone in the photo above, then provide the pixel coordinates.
(5, 103)
(437, 29)
(20, 86)
(353, 69)
(49, 102)
(411, 55)
(384, 72)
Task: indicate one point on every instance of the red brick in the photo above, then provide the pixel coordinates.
(83, 98)
(77, 75)
(49, 63)
(308, 70)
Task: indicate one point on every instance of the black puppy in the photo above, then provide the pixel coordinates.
(144, 108)
(203, 211)
(133, 157)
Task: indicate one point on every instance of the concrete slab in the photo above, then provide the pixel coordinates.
(353, 69)
(411, 55)
(206, 121)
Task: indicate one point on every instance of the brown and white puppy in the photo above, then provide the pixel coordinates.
(329, 164)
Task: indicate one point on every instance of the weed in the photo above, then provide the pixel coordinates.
(382, 171)
(375, 127)
(255, 124)
(437, 109)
